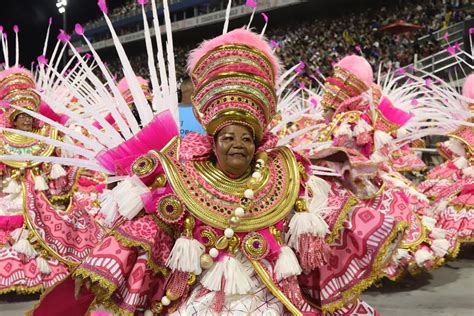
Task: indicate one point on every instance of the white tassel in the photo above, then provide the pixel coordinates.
(400, 255)
(127, 194)
(381, 139)
(456, 147)
(43, 265)
(344, 130)
(468, 172)
(320, 190)
(287, 264)
(13, 187)
(461, 163)
(40, 183)
(362, 127)
(186, 256)
(417, 194)
(108, 207)
(421, 256)
(212, 279)
(19, 233)
(438, 233)
(23, 246)
(237, 279)
(441, 206)
(440, 247)
(428, 222)
(57, 171)
(305, 223)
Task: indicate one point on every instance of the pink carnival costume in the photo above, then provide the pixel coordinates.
(365, 125)
(44, 225)
(449, 185)
(189, 238)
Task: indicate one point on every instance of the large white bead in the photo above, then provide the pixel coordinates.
(248, 194)
(148, 313)
(229, 232)
(239, 212)
(165, 301)
(257, 175)
(213, 252)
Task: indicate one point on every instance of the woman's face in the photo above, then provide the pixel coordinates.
(234, 150)
(23, 122)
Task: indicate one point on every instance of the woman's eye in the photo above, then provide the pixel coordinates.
(247, 140)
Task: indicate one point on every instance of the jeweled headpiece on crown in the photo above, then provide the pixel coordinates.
(18, 87)
(352, 76)
(235, 77)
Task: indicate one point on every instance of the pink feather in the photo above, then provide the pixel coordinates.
(392, 113)
(238, 36)
(103, 6)
(42, 59)
(1, 28)
(251, 3)
(16, 29)
(79, 29)
(468, 87)
(123, 85)
(50, 21)
(265, 17)
(63, 36)
(142, 2)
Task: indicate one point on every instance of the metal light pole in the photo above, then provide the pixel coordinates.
(61, 5)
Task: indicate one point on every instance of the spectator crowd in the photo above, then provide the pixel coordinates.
(321, 41)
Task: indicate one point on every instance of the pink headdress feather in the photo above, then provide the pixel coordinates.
(468, 87)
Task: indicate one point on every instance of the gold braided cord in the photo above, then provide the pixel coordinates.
(351, 202)
(274, 289)
(462, 140)
(46, 150)
(217, 179)
(202, 212)
(422, 239)
(23, 290)
(31, 227)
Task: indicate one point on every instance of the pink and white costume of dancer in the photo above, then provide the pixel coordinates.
(45, 227)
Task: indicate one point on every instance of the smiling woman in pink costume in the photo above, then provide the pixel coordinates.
(228, 222)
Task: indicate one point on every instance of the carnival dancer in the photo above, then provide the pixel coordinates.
(449, 185)
(44, 221)
(364, 118)
(45, 230)
(226, 222)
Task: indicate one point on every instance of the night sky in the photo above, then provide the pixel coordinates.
(32, 18)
